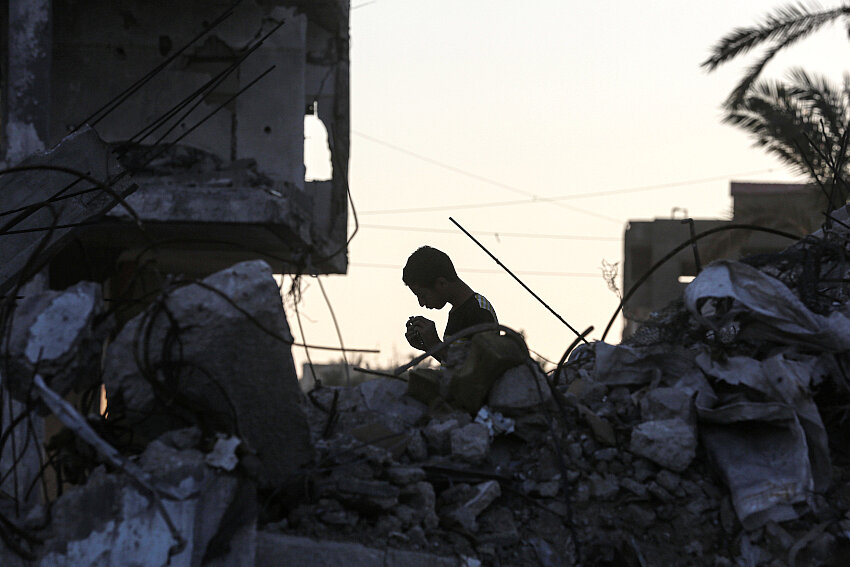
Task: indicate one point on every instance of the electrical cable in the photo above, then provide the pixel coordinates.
(561, 197)
(338, 331)
(534, 198)
(485, 271)
(116, 101)
(495, 233)
(519, 281)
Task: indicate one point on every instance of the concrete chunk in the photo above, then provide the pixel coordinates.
(222, 350)
(54, 330)
(121, 527)
(520, 389)
(471, 443)
(670, 443)
(278, 549)
(667, 403)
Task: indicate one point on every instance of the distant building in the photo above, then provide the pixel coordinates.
(791, 207)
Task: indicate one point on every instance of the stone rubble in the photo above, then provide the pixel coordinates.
(680, 447)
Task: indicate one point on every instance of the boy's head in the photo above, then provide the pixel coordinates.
(429, 273)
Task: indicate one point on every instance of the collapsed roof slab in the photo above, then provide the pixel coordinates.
(238, 224)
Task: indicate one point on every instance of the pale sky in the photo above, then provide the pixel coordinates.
(466, 105)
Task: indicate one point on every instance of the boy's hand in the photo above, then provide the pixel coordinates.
(427, 330)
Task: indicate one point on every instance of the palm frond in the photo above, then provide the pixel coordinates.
(824, 98)
(783, 27)
(801, 123)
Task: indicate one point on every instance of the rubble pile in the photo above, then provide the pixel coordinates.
(716, 436)
(705, 440)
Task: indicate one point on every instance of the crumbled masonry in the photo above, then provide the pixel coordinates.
(716, 436)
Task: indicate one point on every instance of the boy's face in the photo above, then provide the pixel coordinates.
(429, 297)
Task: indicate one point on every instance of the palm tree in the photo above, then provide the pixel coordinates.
(780, 29)
(804, 123)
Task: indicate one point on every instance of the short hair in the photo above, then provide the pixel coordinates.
(426, 265)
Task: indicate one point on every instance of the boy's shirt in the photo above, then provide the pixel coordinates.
(474, 311)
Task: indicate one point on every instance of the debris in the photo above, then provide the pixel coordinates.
(519, 390)
(182, 352)
(470, 443)
(471, 501)
(671, 443)
(438, 432)
(53, 332)
(121, 528)
(293, 551)
(692, 446)
(495, 422)
(223, 455)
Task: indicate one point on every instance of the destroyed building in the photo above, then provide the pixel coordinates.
(204, 103)
(715, 436)
(794, 208)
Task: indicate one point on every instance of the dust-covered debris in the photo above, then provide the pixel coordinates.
(215, 351)
(716, 436)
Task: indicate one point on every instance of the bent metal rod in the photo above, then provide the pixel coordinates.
(528, 289)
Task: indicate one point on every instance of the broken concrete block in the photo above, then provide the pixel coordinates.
(477, 499)
(670, 481)
(470, 443)
(187, 438)
(603, 487)
(332, 512)
(223, 455)
(670, 443)
(417, 448)
(378, 435)
(587, 392)
(519, 390)
(667, 403)
(274, 550)
(634, 487)
(423, 499)
(362, 494)
(386, 398)
(602, 429)
(403, 475)
(55, 331)
(121, 527)
(438, 433)
(217, 353)
(497, 526)
(496, 423)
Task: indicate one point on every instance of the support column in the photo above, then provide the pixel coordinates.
(28, 60)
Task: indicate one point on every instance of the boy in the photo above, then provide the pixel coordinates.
(431, 276)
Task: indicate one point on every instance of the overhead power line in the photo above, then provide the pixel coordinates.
(496, 233)
(533, 197)
(485, 271)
